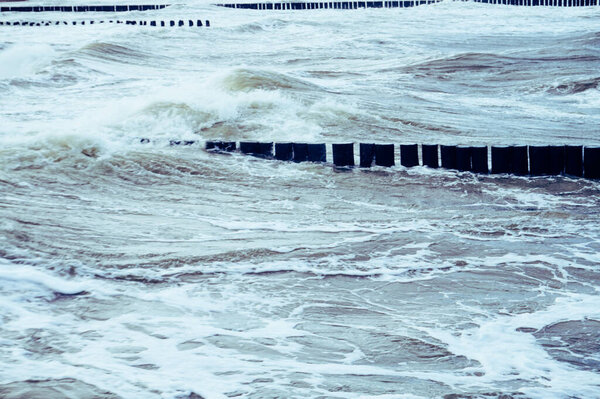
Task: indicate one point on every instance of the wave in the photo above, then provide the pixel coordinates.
(115, 53)
(24, 60)
(25, 274)
(465, 62)
(238, 104)
(65, 388)
(590, 40)
(575, 86)
(68, 151)
(491, 63)
(248, 79)
(275, 24)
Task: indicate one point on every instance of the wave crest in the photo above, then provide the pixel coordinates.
(247, 80)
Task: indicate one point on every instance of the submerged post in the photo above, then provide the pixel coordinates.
(317, 153)
(300, 152)
(546, 160)
(384, 155)
(261, 150)
(227, 146)
(367, 154)
(519, 164)
(591, 159)
(284, 151)
(409, 155)
(479, 160)
(448, 156)
(574, 160)
(463, 158)
(430, 155)
(343, 154)
(501, 156)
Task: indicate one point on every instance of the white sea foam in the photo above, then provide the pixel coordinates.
(29, 275)
(506, 354)
(24, 60)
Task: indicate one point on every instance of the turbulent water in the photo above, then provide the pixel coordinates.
(132, 270)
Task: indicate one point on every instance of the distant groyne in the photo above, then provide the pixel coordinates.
(298, 5)
(353, 5)
(165, 23)
(90, 8)
(335, 5)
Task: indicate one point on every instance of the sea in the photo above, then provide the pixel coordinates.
(149, 270)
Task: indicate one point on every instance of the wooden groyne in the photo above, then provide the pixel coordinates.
(336, 5)
(165, 23)
(353, 5)
(520, 160)
(91, 8)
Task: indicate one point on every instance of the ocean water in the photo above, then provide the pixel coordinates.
(132, 270)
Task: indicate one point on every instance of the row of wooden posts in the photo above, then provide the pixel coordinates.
(335, 5)
(543, 3)
(171, 23)
(572, 160)
(96, 8)
(297, 5)
(352, 5)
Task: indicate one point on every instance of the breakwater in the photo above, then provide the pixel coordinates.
(337, 5)
(299, 5)
(92, 8)
(353, 5)
(169, 23)
(520, 160)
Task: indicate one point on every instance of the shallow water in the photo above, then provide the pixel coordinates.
(133, 270)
